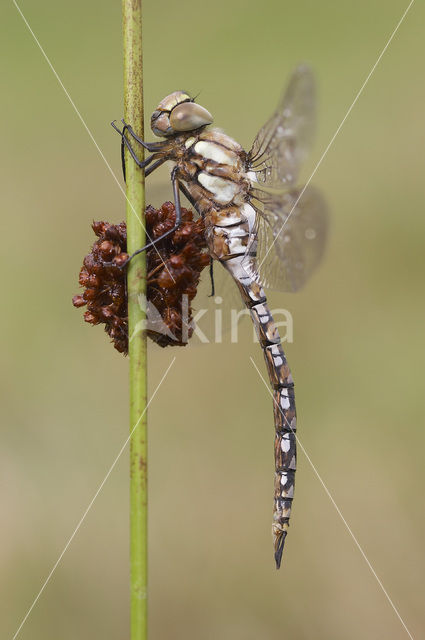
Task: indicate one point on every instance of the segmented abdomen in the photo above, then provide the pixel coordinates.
(283, 409)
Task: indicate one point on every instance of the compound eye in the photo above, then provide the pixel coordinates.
(188, 116)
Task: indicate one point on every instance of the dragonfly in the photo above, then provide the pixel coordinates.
(265, 231)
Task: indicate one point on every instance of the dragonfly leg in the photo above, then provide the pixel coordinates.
(212, 294)
(167, 233)
(186, 193)
(155, 165)
(150, 146)
(140, 163)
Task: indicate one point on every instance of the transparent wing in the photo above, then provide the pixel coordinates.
(291, 230)
(283, 143)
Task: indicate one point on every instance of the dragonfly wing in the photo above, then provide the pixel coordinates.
(284, 142)
(291, 229)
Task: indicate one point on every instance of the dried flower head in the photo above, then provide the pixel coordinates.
(174, 266)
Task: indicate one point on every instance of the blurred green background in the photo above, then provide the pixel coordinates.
(357, 355)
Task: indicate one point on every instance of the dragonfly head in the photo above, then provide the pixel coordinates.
(178, 113)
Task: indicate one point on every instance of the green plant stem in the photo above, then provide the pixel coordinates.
(136, 286)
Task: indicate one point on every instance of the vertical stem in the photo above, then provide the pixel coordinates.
(136, 284)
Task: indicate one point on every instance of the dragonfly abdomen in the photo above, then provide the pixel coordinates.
(283, 408)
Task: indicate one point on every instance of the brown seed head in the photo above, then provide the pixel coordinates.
(173, 267)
